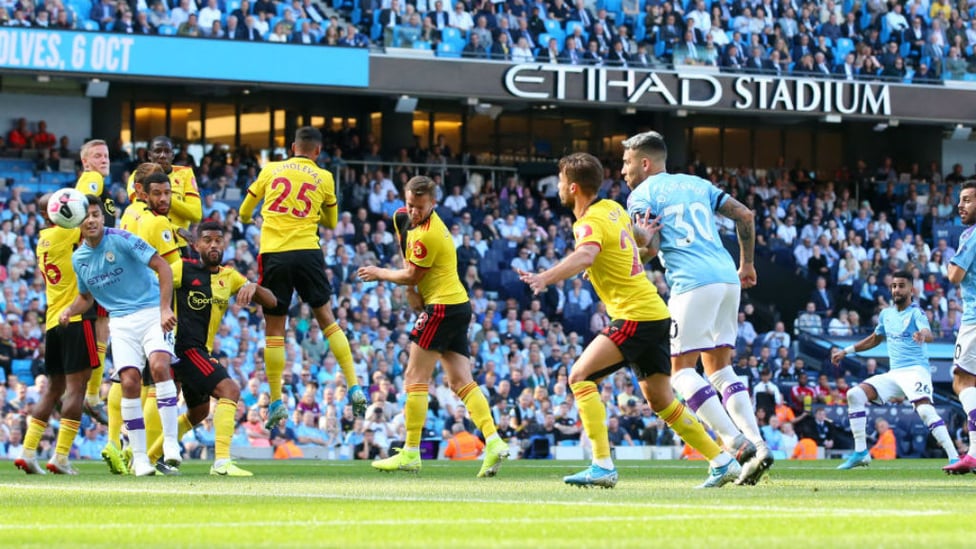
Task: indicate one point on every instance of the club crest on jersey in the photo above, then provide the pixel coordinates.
(167, 236)
(419, 250)
(614, 215)
(110, 257)
(92, 188)
(583, 231)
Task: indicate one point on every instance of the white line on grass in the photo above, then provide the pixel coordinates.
(213, 491)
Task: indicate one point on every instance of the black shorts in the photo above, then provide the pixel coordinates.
(298, 270)
(443, 328)
(71, 349)
(646, 345)
(199, 372)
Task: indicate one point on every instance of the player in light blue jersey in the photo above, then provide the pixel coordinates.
(906, 330)
(962, 272)
(679, 211)
(116, 268)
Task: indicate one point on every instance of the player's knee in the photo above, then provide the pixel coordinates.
(197, 414)
(856, 397)
(927, 413)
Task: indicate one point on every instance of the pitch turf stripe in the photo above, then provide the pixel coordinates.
(213, 490)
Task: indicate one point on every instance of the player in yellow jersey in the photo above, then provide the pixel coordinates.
(70, 351)
(137, 206)
(441, 330)
(154, 225)
(298, 197)
(203, 291)
(639, 333)
(95, 163)
(186, 207)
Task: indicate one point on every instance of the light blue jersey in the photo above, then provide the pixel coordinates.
(117, 273)
(690, 244)
(898, 327)
(964, 259)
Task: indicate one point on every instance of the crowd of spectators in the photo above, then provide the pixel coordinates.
(917, 41)
(522, 346)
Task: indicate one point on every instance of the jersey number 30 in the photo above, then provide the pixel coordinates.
(700, 226)
(277, 207)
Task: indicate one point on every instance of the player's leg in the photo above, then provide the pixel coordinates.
(416, 379)
(112, 452)
(314, 289)
(71, 404)
(131, 405)
(158, 346)
(93, 405)
(457, 368)
(37, 422)
(227, 394)
(964, 384)
(871, 390)
(274, 366)
(150, 412)
(935, 423)
(690, 334)
(600, 358)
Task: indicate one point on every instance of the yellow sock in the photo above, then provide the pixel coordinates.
(415, 414)
(155, 450)
(95, 381)
(677, 416)
(477, 405)
(274, 364)
(35, 430)
(223, 427)
(115, 414)
(66, 436)
(150, 413)
(339, 345)
(594, 417)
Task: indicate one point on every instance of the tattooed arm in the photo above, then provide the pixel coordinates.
(745, 230)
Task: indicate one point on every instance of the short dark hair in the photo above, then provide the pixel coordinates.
(903, 274)
(155, 177)
(584, 169)
(650, 144)
(161, 139)
(210, 226)
(969, 184)
(307, 137)
(95, 201)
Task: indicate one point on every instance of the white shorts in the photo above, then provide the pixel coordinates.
(964, 357)
(914, 383)
(704, 318)
(136, 336)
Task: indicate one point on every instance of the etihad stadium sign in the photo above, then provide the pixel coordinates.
(697, 90)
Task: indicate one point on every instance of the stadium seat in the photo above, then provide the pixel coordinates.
(21, 367)
(451, 34)
(89, 25)
(167, 30)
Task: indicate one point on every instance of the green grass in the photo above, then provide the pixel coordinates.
(342, 504)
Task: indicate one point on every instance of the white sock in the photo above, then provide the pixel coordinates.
(702, 399)
(135, 425)
(738, 404)
(858, 416)
(606, 463)
(967, 397)
(166, 402)
(935, 424)
(721, 460)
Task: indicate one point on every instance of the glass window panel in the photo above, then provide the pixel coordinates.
(768, 149)
(185, 123)
(705, 143)
(799, 148)
(150, 121)
(737, 150)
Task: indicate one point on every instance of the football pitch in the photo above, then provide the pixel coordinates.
(347, 504)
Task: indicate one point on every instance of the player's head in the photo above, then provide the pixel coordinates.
(94, 224)
(580, 174)
(139, 179)
(308, 142)
(421, 195)
(644, 154)
(210, 243)
(42, 205)
(158, 192)
(901, 287)
(161, 152)
(967, 202)
(94, 157)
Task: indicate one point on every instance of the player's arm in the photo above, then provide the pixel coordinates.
(924, 333)
(647, 235)
(189, 208)
(956, 273)
(252, 291)
(252, 197)
(745, 230)
(329, 216)
(410, 275)
(869, 342)
(575, 263)
(82, 303)
(165, 274)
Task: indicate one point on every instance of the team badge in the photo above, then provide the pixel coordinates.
(614, 215)
(583, 231)
(419, 250)
(110, 257)
(167, 236)
(93, 188)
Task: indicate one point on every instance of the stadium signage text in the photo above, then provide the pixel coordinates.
(696, 90)
(104, 54)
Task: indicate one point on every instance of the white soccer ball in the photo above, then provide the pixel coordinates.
(67, 208)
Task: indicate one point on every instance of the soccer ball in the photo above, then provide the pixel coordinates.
(67, 208)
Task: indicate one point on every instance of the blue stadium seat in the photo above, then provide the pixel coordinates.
(167, 30)
(552, 26)
(448, 48)
(21, 367)
(89, 25)
(450, 34)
